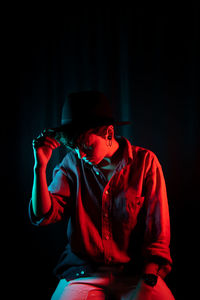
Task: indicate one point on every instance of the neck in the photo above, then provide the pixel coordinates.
(112, 154)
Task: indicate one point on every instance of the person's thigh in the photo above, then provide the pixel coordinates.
(142, 291)
(83, 289)
(94, 288)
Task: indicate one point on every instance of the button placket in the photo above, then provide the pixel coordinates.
(106, 224)
(98, 172)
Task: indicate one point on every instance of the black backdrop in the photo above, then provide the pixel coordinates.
(145, 61)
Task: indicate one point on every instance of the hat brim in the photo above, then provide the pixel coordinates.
(86, 126)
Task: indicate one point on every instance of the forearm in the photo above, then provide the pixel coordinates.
(41, 201)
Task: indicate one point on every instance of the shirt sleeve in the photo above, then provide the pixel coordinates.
(157, 233)
(60, 194)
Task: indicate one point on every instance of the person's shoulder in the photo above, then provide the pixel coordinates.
(145, 153)
(69, 160)
(141, 150)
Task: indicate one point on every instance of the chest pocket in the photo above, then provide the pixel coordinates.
(126, 206)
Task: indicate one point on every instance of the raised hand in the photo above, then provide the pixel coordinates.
(43, 147)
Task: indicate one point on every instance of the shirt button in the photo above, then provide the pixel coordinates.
(105, 215)
(107, 237)
(106, 192)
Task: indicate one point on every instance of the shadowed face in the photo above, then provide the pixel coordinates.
(92, 145)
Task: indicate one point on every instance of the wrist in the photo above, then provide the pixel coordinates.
(39, 168)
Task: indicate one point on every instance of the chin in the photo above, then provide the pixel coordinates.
(95, 161)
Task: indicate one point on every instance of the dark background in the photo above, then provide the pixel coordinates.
(145, 59)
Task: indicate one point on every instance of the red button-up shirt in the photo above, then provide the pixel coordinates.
(116, 221)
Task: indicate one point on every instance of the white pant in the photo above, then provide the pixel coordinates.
(108, 288)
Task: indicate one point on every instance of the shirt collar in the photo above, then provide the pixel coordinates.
(128, 151)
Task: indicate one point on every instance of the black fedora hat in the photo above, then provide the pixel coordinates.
(85, 110)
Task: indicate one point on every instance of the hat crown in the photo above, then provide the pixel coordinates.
(86, 106)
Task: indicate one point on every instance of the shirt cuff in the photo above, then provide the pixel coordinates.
(34, 220)
(156, 269)
(151, 268)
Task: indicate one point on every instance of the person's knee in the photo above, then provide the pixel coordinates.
(59, 290)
